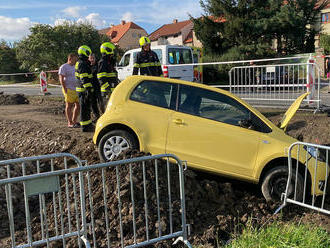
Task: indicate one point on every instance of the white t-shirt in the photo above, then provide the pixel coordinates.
(68, 71)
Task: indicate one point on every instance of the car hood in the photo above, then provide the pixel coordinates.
(292, 110)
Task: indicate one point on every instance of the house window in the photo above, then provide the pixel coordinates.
(324, 18)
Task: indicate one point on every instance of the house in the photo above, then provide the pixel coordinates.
(126, 35)
(323, 24)
(176, 33)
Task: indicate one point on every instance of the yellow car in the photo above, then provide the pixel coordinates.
(212, 129)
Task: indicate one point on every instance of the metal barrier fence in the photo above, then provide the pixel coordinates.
(278, 84)
(31, 199)
(316, 159)
(272, 82)
(115, 206)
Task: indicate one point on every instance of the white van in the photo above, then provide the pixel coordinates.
(168, 55)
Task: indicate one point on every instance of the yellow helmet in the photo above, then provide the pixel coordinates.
(107, 48)
(84, 50)
(144, 41)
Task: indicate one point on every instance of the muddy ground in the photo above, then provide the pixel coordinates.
(216, 206)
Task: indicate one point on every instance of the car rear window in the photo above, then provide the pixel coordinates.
(153, 93)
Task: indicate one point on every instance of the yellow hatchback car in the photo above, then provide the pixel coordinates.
(212, 129)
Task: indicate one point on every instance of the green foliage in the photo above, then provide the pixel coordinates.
(325, 43)
(8, 61)
(248, 28)
(282, 235)
(48, 46)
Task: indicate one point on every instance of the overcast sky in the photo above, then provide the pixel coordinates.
(16, 16)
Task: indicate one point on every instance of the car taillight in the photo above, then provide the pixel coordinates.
(165, 70)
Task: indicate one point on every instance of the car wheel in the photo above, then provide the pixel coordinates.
(274, 184)
(115, 143)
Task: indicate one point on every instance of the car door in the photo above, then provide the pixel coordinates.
(149, 109)
(125, 67)
(205, 130)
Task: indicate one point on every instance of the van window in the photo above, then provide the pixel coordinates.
(179, 56)
(125, 60)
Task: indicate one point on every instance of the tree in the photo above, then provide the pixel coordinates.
(248, 28)
(8, 61)
(325, 43)
(48, 46)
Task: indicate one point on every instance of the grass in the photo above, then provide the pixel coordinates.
(278, 235)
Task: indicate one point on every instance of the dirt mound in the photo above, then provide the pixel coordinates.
(13, 99)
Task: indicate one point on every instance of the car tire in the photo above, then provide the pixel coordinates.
(274, 184)
(114, 143)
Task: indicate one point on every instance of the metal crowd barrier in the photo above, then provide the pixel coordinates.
(318, 199)
(278, 84)
(32, 184)
(58, 218)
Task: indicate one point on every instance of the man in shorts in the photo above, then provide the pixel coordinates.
(68, 81)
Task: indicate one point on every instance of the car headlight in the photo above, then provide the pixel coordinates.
(316, 153)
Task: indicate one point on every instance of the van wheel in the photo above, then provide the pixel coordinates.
(115, 143)
(274, 184)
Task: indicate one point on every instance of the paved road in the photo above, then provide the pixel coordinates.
(29, 89)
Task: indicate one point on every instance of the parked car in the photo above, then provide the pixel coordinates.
(168, 55)
(212, 129)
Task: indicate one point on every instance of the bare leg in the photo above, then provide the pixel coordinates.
(68, 112)
(76, 112)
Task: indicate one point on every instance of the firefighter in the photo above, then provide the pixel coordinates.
(107, 74)
(146, 60)
(96, 101)
(85, 89)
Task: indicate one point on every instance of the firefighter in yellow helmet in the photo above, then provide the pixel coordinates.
(107, 74)
(147, 61)
(85, 89)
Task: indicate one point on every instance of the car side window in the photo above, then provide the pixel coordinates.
(154, 93)
(216, 106)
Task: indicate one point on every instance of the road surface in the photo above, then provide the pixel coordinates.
(29, 89)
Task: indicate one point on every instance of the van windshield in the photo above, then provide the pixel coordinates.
(179, 56)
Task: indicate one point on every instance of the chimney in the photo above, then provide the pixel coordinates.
(175, 21)
(123, 22)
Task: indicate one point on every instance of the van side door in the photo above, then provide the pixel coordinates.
(125, 67)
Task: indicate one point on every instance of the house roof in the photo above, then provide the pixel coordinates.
(117, 32)
(169, 29)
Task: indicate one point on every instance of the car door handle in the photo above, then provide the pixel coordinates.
(178, 121)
